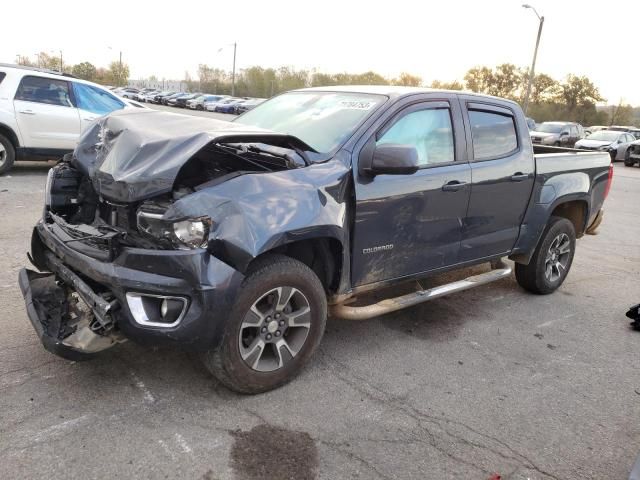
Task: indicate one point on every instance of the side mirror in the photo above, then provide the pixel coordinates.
(394, 159)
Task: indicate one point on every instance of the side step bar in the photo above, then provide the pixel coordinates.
(398, 303)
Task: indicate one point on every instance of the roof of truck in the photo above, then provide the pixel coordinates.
(394, 91)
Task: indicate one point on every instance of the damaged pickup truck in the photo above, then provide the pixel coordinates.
(237, 239)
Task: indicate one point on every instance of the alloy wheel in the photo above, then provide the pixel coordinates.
(275, 329)
(3, 155)
(557, 258)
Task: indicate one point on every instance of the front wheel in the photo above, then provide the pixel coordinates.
(551, 260)
(273, 329)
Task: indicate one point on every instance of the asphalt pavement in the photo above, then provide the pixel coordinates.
(491, 380)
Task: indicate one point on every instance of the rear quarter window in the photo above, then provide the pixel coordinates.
(2, 75)
(494, 134)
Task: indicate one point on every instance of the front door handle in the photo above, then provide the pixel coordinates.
(27, 112)
(89, 119)
(453, 186)
(519, 177)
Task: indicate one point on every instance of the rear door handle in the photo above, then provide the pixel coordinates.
(519, 177)
(27, 112)
(453, 186)
(89, 119)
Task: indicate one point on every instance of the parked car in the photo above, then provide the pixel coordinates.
(248, 105)
(235, 238)
(150, 96)
(140, 95)
(633, 154)
(558, 134)
(199, 102)
(174, 101)
(593, 129)
(126, 92)
(182, 101)
(43, 113)
(228, 105)
(169, 98)
(614, 142)
(619, 128)
(210, 106)
(158, 95)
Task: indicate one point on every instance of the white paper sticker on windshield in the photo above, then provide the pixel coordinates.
(357, 105)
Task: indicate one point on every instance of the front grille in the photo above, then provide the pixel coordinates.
(103, 244)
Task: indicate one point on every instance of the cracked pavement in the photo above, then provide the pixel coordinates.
(491, 380)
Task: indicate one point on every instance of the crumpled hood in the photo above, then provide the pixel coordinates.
(131, 155)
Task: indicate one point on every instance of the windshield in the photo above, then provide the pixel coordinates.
(322, 120)
(550, 128)
(604, 135)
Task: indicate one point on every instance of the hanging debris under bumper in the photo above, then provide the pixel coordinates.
(73, 324)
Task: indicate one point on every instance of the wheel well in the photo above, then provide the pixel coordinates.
(10, 134)
(576, 212)
(322, 255)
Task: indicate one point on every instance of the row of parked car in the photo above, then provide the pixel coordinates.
(622, 142)
(194, 101)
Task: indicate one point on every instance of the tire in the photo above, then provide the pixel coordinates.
(240, 362)
(557, 144)
(550, 264)
(627, 159)
(7, 154)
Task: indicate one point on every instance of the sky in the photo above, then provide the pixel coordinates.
(435, 40)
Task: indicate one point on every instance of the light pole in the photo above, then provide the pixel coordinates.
(60, 61)
(233, 71)
(532, 72)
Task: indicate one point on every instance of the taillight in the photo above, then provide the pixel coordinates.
(609, 180)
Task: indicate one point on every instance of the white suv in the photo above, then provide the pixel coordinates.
(43, 113)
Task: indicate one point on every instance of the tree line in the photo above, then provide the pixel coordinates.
(115, 74)
(573, 98)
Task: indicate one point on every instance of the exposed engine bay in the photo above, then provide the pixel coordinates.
(98, 226)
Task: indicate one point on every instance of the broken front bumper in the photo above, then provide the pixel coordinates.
(112, 292)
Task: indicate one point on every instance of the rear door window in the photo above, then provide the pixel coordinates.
(95, 100)
(2, 75)
(494, 134)
(44, 90)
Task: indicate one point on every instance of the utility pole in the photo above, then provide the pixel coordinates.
(532, 72)
(120, 70)
(233, 71)
(60, 61)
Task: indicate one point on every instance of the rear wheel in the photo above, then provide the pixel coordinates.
(7, 154)
(274, 327)
(551, 260)
(627, 159)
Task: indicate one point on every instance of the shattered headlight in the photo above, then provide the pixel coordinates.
(183, 234)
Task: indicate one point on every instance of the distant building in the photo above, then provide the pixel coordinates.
(176, 85)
